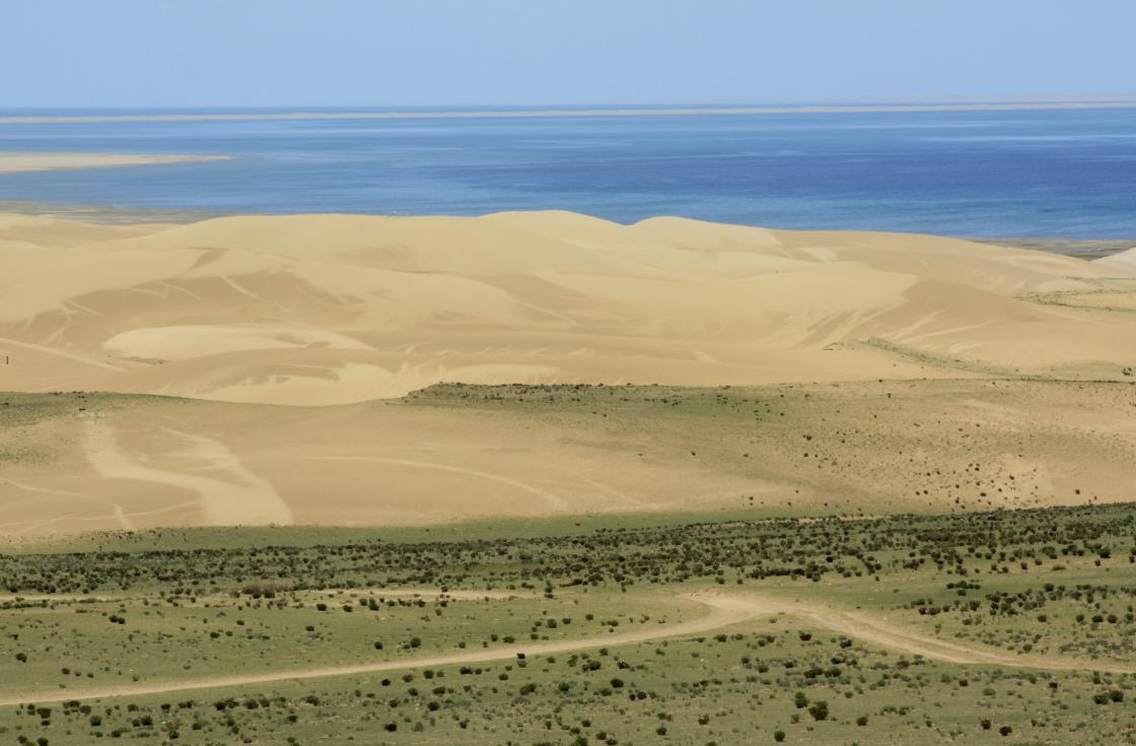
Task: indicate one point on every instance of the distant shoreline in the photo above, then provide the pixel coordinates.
(32, 161)
(646, 111)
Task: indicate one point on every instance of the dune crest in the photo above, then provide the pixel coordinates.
(1125, 261)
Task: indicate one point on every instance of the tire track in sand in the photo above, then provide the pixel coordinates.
(234, 497)
(554, 501)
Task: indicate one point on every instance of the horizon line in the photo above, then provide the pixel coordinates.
(316, 113)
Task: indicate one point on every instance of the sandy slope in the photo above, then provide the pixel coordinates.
(79, 462)
(724, 610)
(151, 463)
(324, 309)
(1122, 263)
(339, 310)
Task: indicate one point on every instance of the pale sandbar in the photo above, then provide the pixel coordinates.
(25, 162)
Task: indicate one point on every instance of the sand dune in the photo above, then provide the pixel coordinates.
(242, 314)
(330, 309)
(1124, 262)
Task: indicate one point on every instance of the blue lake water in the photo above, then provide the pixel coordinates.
(994, 173)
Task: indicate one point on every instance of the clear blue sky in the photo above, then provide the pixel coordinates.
(152, 53)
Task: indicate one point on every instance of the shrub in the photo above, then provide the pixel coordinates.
(819, 710)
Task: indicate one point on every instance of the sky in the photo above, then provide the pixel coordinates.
(424, 53)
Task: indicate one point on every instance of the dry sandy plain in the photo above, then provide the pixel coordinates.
(874, 371)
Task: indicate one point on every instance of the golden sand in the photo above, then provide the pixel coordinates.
(328, 313)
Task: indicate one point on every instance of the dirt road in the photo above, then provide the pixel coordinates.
(725, 609)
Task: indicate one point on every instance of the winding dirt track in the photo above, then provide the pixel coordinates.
(867, 628)
(725, 609)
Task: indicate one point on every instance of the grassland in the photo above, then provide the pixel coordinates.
(1002, 626)
(883, 591)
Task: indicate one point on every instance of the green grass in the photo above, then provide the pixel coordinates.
(218, 538)
(142, 638)
(740, 689)
(196, 602)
